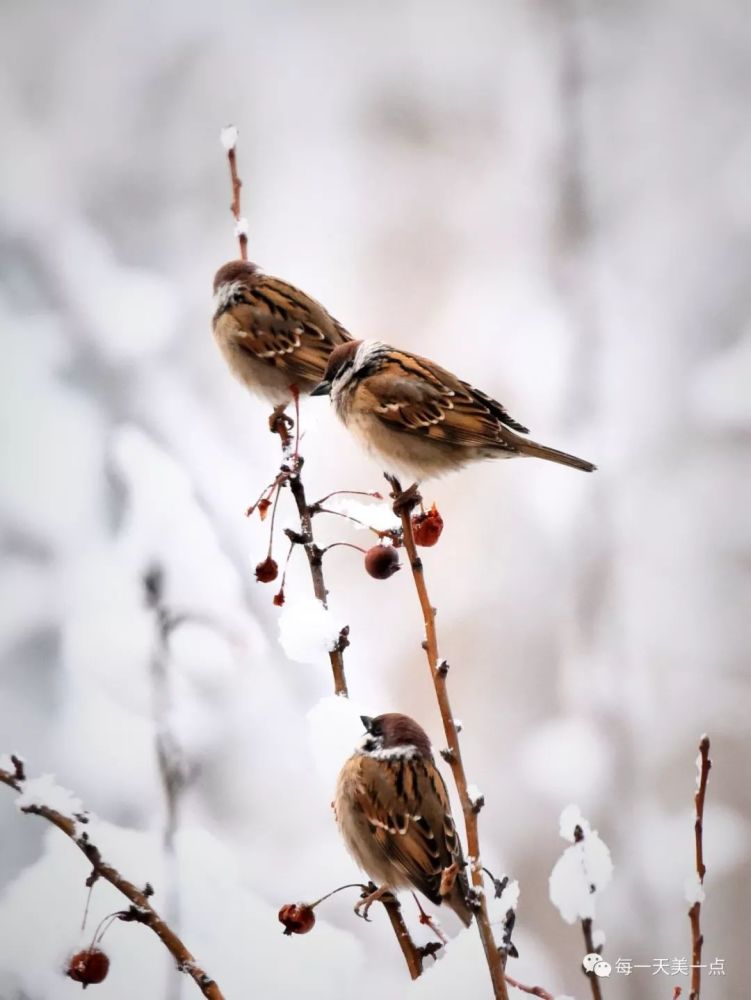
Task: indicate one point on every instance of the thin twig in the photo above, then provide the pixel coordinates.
(694, 914)
(535, 991)
(589, 947)
(315, 564)
(404, 504)
(143, 911)
(229, 138)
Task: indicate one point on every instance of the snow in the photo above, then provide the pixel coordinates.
(474, 794)
(570, 818)
(44, 791)
(582, 871)
(693, 890)
(228, 137)
(377, 514)
(307, 630)
(241, 226)
(508, 900)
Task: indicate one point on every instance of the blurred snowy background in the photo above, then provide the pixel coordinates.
(551, 198)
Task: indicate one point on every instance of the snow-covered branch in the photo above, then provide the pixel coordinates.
(43, 797)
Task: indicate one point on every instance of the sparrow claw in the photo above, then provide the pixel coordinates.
(405, 501)
(367, 901)
(280, 422)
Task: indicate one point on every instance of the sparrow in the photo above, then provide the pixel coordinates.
(393, 812)
(419, 418)
(272, 335)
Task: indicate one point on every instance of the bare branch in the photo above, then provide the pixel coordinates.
(404, 504)
(535, 991)
(144, 912)
(694, 914)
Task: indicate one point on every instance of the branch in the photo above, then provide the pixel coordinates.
(144, 912)
(535, 991)
(589, 947)
(694, 914)
(229, 141)
(315, 564)
(404, 504)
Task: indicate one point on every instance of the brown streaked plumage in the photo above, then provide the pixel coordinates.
(420, 418)
(271, 334)
(393, 811)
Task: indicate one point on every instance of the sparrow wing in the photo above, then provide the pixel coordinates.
(406, 805)
(282, 326)
(416, 396)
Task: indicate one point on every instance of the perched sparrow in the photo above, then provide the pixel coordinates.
(272, 335)
(419, 418)
(393, 812)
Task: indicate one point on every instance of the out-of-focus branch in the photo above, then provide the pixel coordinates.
(589, 947)
(404, 504)
(142, 911)
(535, 991)
(694, 914)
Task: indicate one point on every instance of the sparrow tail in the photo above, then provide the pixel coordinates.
(552, 455)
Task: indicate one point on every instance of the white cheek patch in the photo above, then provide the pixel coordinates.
(225, 293)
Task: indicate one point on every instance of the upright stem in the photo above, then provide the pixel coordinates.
(694, 914)
(589, 947)
(315, 564)
(404, 503)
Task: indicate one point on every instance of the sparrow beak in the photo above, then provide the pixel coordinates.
(322, 389)
(367, 722)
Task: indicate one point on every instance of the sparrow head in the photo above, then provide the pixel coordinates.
(394, 735)
(235, 270)
(348, 362)
(229, 282)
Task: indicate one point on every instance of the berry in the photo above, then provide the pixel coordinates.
(298, 918)
(90, 966)
(427, 527)
(267, 570)
(382, 561)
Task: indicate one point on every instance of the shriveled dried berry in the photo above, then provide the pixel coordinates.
(427, 527)
(267, 570)
(382, 561)
(298, 918)
(89, 967)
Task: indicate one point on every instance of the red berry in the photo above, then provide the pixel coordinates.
(382, 561)
(427, 528)
(267, 571)
(89, 967)
(298, 918)
(279, 599)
